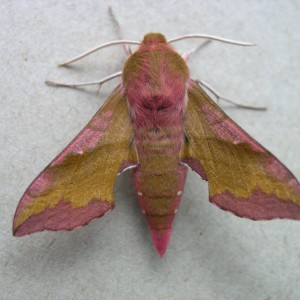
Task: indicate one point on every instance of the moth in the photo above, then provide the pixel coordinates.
(159, 122)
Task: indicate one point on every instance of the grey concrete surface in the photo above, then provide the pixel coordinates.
(212, 254)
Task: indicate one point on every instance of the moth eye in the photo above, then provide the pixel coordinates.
(161, 107)
(147, 107)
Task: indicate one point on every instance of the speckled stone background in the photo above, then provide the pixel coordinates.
(213, 254)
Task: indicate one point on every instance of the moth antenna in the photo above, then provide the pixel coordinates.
(126, 47)
(186, 56)
(118, 42)
(220, 97)
(210, 37)
(75, 85)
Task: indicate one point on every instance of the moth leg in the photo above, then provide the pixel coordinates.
(126, 47)
(186, 56)
(220, 97)
(75, 85)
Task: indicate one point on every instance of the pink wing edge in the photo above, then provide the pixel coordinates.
(64, 217)
(258, 206)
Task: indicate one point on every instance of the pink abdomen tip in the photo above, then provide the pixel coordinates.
(161, 239)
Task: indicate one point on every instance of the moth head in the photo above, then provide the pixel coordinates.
(150, 38)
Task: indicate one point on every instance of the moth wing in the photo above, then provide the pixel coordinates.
(78, 185)
(244, 178)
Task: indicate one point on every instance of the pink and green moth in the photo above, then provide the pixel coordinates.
(158, 122)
